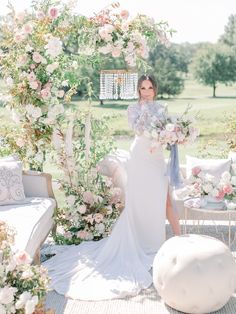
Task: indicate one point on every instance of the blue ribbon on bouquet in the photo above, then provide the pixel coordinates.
(173, 166)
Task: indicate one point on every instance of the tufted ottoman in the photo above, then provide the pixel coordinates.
(194, 273)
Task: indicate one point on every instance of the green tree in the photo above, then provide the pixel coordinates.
(229, 36)
(215, 64)
(168, 67)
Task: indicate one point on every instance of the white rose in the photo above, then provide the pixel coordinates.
(7, 295)
(82, 209)
(27, 274)
(11, 265)
(207, 188)
(226, 176)
(20, 142)
(39, 157)
(36, 113)
(109, 210)
(24, 297)
(30, 305)
(214, 192)
(100, 227)
(2, 309)
(70, 200)
(9, 81)
(54, 47)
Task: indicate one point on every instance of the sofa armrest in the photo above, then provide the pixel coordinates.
(37, 184)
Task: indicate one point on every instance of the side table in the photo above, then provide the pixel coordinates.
(229, 215)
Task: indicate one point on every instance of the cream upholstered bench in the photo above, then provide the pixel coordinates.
(32, 219)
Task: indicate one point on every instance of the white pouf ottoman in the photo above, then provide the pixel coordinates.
(194, 273)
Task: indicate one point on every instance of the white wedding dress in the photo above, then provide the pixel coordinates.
(119, 265)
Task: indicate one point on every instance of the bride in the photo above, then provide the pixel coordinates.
(119, 265)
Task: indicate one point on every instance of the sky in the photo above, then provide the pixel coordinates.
(194, 20)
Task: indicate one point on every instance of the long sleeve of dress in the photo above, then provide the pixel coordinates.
(140, 116)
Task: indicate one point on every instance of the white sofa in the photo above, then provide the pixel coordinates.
(33, 218)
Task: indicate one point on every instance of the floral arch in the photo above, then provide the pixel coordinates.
(40, 52)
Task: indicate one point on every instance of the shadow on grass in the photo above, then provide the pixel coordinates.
(112, 106)
(221, 97)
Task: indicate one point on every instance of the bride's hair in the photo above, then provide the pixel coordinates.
(145, 78)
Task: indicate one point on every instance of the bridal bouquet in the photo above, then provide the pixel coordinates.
(169, 130)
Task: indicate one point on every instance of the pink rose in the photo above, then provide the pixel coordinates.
(34, 84)
(40, 15)
(196, 171)
(98, 217)
(220, 195)
(37, 57)
(82, 209)
(18, 38)
(53, 12)
(116, 52)
(22, 257)
(124, 14)
(89, 219)
(227, 189)
(116, 195)
(60, 93)
(45, 93)
(88, 197)
(27, 28)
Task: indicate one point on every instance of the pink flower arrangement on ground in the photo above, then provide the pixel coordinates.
(22, 286)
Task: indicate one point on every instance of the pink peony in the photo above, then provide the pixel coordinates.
(196, 171)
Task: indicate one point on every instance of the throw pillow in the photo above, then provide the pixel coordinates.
(11, 186)
(214, 167)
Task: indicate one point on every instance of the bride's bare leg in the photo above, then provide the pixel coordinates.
(172, 216)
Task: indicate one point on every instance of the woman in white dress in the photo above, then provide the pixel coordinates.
(119, 265)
